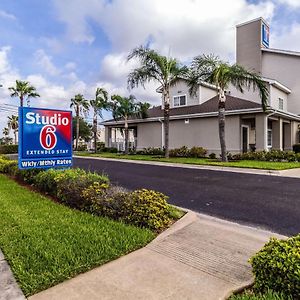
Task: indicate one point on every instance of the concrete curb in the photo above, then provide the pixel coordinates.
(189, 166)
(9, 289)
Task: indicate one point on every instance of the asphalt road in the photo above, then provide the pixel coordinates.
(269, 202)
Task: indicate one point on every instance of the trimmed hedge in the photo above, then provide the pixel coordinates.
(277, 267)
(8, 149)
(272, 155)
(196, 152)
(93, 193)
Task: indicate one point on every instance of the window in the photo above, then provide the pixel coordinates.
(270, 138)
(179, 100)
(280, 103)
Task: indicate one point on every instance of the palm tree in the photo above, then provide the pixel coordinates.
(14, 125)
(222, 74)
(80, 105)
(159, 68)
(24, 91)
(5, 131)
(98, 104)
(125, 107)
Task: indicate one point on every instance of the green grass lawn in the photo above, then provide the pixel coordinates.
(254, 164)
(250, 295)
(46, 243)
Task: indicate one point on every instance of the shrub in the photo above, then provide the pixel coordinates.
(82, 147)
(8, 149)
(71, 183)
(102, 200)
(277, 266)
(45, 181)
(110, 150)
(212, 156)
(8, 166)
(146, 208)
(179, 152)
(197, 152)
(151, 151)
(100, 146)
(27, 176)
(296, 148)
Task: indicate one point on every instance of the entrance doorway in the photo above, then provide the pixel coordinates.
(245, 138)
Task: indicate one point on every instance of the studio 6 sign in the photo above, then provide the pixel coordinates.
(45, 138)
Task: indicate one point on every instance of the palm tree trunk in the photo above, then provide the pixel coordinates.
(95, 131)
(126, 136)
(21, 101)
(221, 118)
(166, 123)
(15, 133)
(77, 130)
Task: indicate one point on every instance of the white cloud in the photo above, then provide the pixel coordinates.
(70, 65)
(45, 62)
(288, 38)
(292, 3)
(8, 16)
(183, 27)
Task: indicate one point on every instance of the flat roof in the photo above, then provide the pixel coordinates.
(251, 21)
(279, 51)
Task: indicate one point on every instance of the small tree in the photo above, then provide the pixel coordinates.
(80, 106)
(126, 107)
(13, 124)
(161, 69)
(221, 74)
(98, 104)
(85, 130)
(24, 91)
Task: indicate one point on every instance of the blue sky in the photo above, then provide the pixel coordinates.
(73, 46)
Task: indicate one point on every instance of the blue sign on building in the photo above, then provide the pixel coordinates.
(265, 35)
(45, 138)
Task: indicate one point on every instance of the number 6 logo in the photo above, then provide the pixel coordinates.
(48, 137)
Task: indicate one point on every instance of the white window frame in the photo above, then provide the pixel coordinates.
(178, 96)
(280, 101)
(269, 145)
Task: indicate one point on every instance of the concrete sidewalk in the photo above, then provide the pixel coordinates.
(199, 257)
(295, 173)
(9, 289)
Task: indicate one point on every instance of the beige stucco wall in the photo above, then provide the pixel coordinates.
(198, 132)
(285, 69)
(206, 93)
(181, 88)
(275, 94)
(204, 132)
(247, 94)
(149, 135)
(248, 45)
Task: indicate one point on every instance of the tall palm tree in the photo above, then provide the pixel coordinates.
(24, 91)
(81, 106)
(98, 104)
(158, 68)
(125, 107)
(13, 124)
(222, 74)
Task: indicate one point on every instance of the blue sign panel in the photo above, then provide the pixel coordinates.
(265, 35)
(45, 138)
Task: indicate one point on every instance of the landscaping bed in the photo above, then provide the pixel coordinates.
(46, 242)
(253, 164)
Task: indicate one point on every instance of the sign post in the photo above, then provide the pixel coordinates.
(45, 138)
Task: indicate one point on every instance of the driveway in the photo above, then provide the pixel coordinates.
(270, 202)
